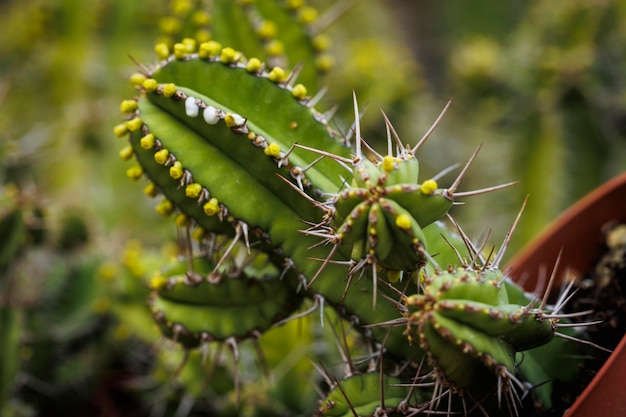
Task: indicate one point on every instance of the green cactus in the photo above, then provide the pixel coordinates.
(279, 212)
(280, 33)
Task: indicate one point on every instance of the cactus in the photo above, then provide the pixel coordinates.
(279, 212)
(280, 33)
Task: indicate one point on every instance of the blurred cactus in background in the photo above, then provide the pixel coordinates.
(91, 275)
(542, 83)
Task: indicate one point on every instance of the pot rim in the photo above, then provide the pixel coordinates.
(571, 234)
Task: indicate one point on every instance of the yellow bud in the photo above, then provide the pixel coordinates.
(135, 172)
(403, 221)
(190, 45)
(294, 4)
(275, 48)
(128, 106)
(161, 156)
(169, 90)
(193, 190)
(137, 78)
(198, 233)
(267, 30)
(272, 150)
(201, 18)
(176, 170)
(147, 142)
(324, 62)
(120, 130)
(389, 163)
(209, 49)
(165, 207)
(299, 91)
(321, 42)
(277, 75)
(170, 25)
(151, 190)
(203, 35)
(158, 282)
(253, 65)
(150, 85)
(307, 15)
(233, 120)
(229, 55)
(126, 153)
(180, 50)
(212, 207)
(181, 7)
(162, 51)
(134, 124)
(181, 220)
(428, 187)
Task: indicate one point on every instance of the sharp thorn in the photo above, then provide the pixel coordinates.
(507, 238)
(452, 190)
(432, 128)
(484, 190)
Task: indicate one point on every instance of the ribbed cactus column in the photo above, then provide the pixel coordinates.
(241, 157)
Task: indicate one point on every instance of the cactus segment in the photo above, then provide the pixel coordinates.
(385, 191)
(464, 319)
(361, 395)
(173, 144)
(237, 150)
(229, 184)
(278, 33)
(193, 311)
(234, 91)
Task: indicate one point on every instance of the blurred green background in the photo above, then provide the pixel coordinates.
(541, 84)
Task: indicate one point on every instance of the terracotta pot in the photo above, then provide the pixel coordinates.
(577, 232)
